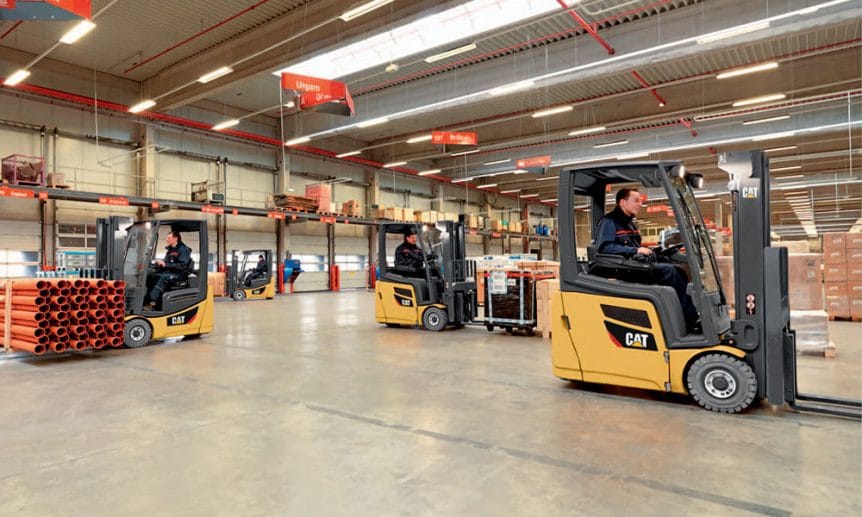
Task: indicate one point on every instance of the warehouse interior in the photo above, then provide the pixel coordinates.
(292, 142)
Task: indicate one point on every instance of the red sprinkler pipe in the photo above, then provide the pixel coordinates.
(587, 27)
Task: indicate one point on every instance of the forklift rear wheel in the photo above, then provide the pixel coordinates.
(722, 383)
(238, 295)
(138, 333)
(489, 327)
(434, 319)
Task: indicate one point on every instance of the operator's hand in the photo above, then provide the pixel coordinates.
(644, 251)
(160, 263)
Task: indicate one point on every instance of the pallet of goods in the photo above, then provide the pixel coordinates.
(291, 203)
(42, 315)
(352, 208)
(545, 290)
(842, 270)
(321, 194)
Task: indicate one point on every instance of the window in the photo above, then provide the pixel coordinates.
(77, 236)
(312, 263)
(15, 263)
(351, 262)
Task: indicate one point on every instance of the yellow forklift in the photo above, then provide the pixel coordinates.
(608, 330)
(128, 251)
(438, 293)
(250, 276)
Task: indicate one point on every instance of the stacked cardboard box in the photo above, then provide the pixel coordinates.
(352, 208)
(497, 225)
(805, 281)
(322, 194)
(853, 247)
(545, 289)
(425, 216)
(472, 221)
(216, 282)
(835, 272)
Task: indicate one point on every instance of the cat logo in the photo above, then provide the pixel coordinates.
(749, 192)
(635, 340)
(178, 320)
(184, 318)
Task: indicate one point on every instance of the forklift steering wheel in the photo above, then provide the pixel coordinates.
(670, 250)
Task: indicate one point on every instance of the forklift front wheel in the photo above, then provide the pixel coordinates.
(489, 327)
(434, 319)
(722, 383)
(238, 295)
(138, 333)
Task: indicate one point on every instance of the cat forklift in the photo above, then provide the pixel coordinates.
(127, 251)
(440, 293)
(250, 276)
(609, 331)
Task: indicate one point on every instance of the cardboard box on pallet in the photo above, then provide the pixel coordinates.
(835, 256)
(854, 272)
(216, 282)
(854, 256)
(838, 306)
(805, 281)
(834, 241)
(497, 225)
(853, 241)
(856, 308)
(545, 290)
(352, 208)
(321, 193)
(854, 290)
(472, 221)
(836, 289)
(835, 272)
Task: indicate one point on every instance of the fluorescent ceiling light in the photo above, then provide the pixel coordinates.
(141, 106)
(529, 196)
(765, 120)
(365, 8)
(517, 172)
(298, 140)
(773, 135)
(215, 74)
(509, 88)
(513, 191)
(393, 164)
(785, 178)
(226, 124)
(429, 172)
(549, 200)
(735, 31)
(498, 162)
(350, 153)
(758, 100)
(547, 178)
(450, 53)
(417, 139)
(77, 32)
(632, 156)
(440, 30)
(462, 180)
(587, 131)
(17, 77)
(463, 153)
(777, 149)
(791, 168)
(289, 104)
(610, 144)
(747, 70)
(373, 122)
(487, 185)
(552, 111)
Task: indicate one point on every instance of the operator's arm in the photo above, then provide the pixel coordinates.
(606, 235)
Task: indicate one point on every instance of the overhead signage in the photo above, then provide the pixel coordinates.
(657, 208)
(43, 196)
(537, 161)
(113, 201)
(16, 192)
(454, 138)
(328, 96)
(7, 4)
(49, 10)
(275, 215)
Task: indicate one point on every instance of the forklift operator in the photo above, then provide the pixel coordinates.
(259, 271)
(175, 266)
(617, 234)
(408, 254)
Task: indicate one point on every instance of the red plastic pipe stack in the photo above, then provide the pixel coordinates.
(62, 314)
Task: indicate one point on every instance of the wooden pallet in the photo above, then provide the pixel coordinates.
(856, 319)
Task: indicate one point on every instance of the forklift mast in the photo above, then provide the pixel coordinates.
(111, 246)
(762, 323)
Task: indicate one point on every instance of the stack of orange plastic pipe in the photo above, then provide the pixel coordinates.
(62, 314)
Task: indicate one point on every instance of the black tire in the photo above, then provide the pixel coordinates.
(722, 383)
(489, 327)
(238, 295)
(138, 333)
(434, 319)
(529, 331)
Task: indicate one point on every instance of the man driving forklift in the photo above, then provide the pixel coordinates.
(408, 255)
(175, 266)
(259, 271)
(617, 234)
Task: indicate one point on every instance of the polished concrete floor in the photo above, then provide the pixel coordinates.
(305, 406)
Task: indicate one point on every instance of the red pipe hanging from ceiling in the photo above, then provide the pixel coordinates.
(587, 27)
(11, 29)
(195, 36)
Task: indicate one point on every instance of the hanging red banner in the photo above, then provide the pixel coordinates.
(538, 161)
(657, 208)
(454, 138)
(15, 192)
(330, 96)
(7, 4)
(52, 10)
(275, 215)
(113, 201)
(43, 196)
(209, 209)
(155, 205)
